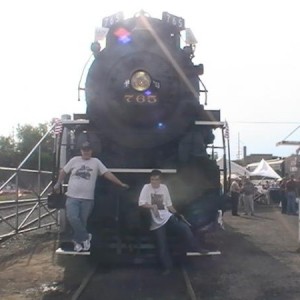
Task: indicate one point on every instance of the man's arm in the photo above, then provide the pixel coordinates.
(145, 202)
(179, 216)
(152, 207)
(60, 180)
(111, 177)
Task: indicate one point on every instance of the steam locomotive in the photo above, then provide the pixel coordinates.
(144, 112)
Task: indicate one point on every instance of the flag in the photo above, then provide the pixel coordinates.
(58, 128)
(226, 130)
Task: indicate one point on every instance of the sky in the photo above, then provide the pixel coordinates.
(250, 50)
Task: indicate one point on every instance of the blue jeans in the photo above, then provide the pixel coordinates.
(78, 211)
(174, 225)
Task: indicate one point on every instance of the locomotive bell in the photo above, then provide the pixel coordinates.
(95, 47)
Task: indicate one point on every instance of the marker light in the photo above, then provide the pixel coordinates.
(161, 125)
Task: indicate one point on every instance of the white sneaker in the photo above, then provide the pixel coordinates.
(86, 245)
(77, 247)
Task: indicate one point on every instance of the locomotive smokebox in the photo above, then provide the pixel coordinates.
(119, 106)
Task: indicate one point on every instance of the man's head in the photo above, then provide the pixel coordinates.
(155, 178)
(86, 150)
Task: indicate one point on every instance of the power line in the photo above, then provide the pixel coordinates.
(263, 122)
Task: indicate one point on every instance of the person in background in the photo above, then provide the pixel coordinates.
(248, 191)
(283, 199)
(235, 196)
(291, 194)
(164, 218)
(83, 171)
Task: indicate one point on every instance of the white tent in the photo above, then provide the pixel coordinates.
(236, 169)
(264, 170)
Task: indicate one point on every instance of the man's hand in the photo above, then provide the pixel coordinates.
(182, 218)
(56, 187)
(125, 186)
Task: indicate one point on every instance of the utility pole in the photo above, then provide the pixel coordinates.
(239, 148)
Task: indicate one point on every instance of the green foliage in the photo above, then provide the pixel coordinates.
(7, 151)
(14, 149)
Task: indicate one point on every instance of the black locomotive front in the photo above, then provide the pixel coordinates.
(142, 94)
(142, 90)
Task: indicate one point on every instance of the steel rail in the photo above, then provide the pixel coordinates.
(86, 280)
(188, 284)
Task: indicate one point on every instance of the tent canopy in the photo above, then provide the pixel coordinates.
(236, 169)
(265, 170)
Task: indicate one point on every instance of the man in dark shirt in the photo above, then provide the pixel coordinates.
(283, 199)
(290, 191)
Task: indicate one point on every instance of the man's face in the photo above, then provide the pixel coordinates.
(86, 153)
(155, 181)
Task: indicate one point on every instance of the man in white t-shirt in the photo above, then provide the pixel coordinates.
(164, 218)
(83, 171)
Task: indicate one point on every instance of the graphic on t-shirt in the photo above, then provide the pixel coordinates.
(158, 200)
(84, 172)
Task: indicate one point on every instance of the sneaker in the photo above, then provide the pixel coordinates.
(87, 243)
(77, 247)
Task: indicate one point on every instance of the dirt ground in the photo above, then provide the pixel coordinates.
(30, 269)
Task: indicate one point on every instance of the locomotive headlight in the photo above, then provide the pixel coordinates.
(140, 81)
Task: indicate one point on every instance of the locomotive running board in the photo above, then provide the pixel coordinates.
(203, 254)
(68, 252)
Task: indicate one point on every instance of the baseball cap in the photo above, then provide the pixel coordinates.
(86, 146)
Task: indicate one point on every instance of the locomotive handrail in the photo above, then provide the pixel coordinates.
(214, 123)
(75, 122)
(84, 121)
(169, 171)
(215, 147)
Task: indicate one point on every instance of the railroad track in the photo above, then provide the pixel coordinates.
(135, 283)
(26, 215)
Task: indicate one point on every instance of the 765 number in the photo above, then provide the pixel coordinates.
(140, 99)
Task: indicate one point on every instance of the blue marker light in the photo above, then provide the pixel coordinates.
(161, 125)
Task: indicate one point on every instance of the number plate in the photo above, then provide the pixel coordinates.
(173, 20)
(112, 20)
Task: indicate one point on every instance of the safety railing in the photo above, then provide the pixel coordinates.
(25, 209)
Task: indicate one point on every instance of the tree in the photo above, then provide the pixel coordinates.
(14, 149)
(7, 150)
(27, 137)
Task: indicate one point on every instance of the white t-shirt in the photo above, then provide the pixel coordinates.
(159, 196)
(83, 176)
